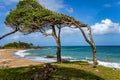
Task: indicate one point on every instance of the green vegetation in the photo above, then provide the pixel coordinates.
(65, 71)
(1, 47)
(21, 45)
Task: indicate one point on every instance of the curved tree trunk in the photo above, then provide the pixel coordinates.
(91, 42)
(8, 34)
(94, 56)
(57, 39)
(93, 47)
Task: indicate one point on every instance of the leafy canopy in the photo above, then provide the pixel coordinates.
(29, 16)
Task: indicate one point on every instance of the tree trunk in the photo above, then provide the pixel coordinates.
(91, 42)
(8, 34)
(93, 47)
(94, 56)
(58, 51)
(57, 39)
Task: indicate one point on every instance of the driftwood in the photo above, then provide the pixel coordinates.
(44, 73)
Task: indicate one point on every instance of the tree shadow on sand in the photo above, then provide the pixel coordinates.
(64, 73)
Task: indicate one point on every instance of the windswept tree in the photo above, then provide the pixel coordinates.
(30, 16)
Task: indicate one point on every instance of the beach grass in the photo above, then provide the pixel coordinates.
(65, 71)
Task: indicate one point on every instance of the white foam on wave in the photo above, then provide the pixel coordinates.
(70, 58)
(48, 60)
(67, 57)
(42, 59)
(108, 64)
(21, 53)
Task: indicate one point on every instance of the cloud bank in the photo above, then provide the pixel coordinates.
(106, 26)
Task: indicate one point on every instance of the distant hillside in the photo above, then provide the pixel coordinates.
(19, 44)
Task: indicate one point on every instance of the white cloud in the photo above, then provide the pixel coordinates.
(34, 35)
(70, 31)
(105, 27)
(54, 5)
(107, 5)
(70, 10)
(18, 36)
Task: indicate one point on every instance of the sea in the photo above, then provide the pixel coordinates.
(108, 56)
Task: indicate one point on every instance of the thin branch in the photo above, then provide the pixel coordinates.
(90, 33)
(83, 33)
(54, 33)
(59, 28)
(8, 34)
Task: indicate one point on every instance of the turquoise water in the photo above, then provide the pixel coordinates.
(106, 55)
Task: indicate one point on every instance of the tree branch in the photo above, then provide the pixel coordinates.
(90, 34)
(8, 34)
(54, 33)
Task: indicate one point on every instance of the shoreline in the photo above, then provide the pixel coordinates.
(112, 65)
(7, 59)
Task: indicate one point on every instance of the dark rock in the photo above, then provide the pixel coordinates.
(50, 56)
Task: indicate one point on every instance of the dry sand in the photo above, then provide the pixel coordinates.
(7, 59)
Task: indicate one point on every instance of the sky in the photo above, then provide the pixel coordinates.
(102, 15)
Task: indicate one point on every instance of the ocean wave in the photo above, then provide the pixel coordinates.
(108, 64)
(68, 57)
(41, 59)
(21, 53)
(49, 60)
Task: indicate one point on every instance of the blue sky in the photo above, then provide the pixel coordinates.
(102, 15)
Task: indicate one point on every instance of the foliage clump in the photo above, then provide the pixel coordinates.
(30, 16)
(21, 45)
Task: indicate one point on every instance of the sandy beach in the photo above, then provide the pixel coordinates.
(7, 59)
